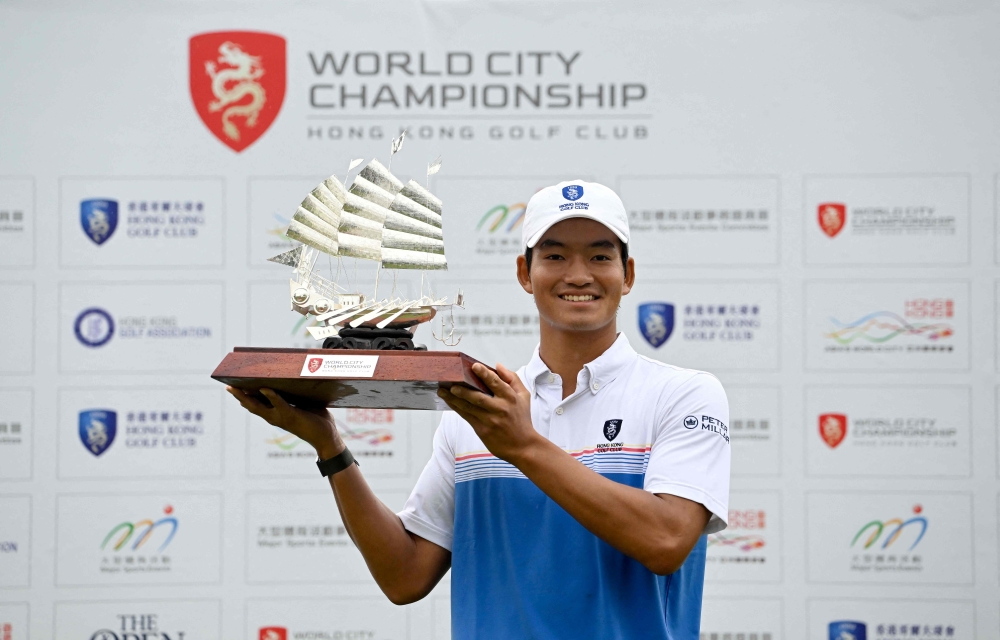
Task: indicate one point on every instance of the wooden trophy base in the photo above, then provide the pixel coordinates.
(350, 378)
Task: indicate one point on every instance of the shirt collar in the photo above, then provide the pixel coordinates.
(605, 368)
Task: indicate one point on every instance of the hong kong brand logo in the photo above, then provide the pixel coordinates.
(833, 428)
(656, 322)
(99, 219)
(237, 81)
(848, 630)
(94, 327)
(612, 428)
(573, 192)
(832, 216)
(893, 529)
(503, 218)
(273, 633)
(140, 532)
(315, 364)
(97, 429)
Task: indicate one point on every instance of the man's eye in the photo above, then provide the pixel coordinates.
(553, 256)
(602, 257)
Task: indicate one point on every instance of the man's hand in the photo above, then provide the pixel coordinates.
(315, 426)
(502, 422)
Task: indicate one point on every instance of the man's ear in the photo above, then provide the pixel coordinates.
(629, 276)
(523, 276)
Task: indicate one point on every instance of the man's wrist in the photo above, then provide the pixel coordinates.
(527, 455)
(330, 448)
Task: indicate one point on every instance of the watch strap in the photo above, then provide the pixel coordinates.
(337, 463)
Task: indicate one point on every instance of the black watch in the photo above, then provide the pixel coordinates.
(337, 463)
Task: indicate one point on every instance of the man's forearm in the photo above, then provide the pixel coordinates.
(641, 525)
(403, 570)
(406, 567)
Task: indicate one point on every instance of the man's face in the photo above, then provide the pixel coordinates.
(577, 275)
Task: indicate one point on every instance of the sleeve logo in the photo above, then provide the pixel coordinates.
(707, 423)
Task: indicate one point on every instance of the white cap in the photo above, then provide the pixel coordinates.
(573, 199)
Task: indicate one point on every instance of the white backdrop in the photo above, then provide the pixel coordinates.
(811, 186)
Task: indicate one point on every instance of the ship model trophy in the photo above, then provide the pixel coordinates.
(367, 357)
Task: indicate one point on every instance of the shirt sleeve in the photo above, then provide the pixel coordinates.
(429, 512)
(690, 454)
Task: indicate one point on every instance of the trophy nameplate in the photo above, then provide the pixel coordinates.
(370, 379)
(367, 357)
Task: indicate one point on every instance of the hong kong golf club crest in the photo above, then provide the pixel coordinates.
(848, 630)
(99, 219)
(97, 429)
(656, 322)
(612, 428)
(237, 81)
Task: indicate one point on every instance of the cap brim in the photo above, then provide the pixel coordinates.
(533, 240)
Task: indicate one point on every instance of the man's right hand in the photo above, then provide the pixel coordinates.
(314, 425)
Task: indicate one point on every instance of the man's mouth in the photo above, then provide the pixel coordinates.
(572, 298)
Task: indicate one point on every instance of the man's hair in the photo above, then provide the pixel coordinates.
(624, 251)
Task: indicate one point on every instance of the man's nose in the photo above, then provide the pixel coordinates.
(578, 272)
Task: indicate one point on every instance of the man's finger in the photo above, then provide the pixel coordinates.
(461, 406)
(276, 400)
(248, 402)
(492, 380)
(477, 399)
(511, 378)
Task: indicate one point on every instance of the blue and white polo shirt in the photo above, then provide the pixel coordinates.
(522, 567)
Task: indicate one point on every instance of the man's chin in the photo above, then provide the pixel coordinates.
(579, 325)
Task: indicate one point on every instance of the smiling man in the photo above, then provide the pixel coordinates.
(574, 502)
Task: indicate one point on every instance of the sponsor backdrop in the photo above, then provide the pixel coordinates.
(812, 190)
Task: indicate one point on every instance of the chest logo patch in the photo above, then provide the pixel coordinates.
(612, 428)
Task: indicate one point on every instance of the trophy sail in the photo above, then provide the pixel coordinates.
(397, 226)
(381, 219)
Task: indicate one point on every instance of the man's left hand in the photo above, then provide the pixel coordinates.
(502, 422)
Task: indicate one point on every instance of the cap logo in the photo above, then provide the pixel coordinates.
(573, 192)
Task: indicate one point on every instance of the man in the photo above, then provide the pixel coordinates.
(572, 503)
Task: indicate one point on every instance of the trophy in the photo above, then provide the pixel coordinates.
(367, 358)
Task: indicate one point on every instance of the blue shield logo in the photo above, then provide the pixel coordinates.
(848, 630)
(573, 192)
(97, 429)
(99, 219)
(656, 322)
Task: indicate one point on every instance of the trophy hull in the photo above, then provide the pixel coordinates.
(323, 377)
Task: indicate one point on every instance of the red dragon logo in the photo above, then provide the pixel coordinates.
(833, 428)
(832, 216)
(273, 633)
(315, 364)
(237, 83)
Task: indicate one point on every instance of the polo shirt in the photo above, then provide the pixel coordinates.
(522, 567)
